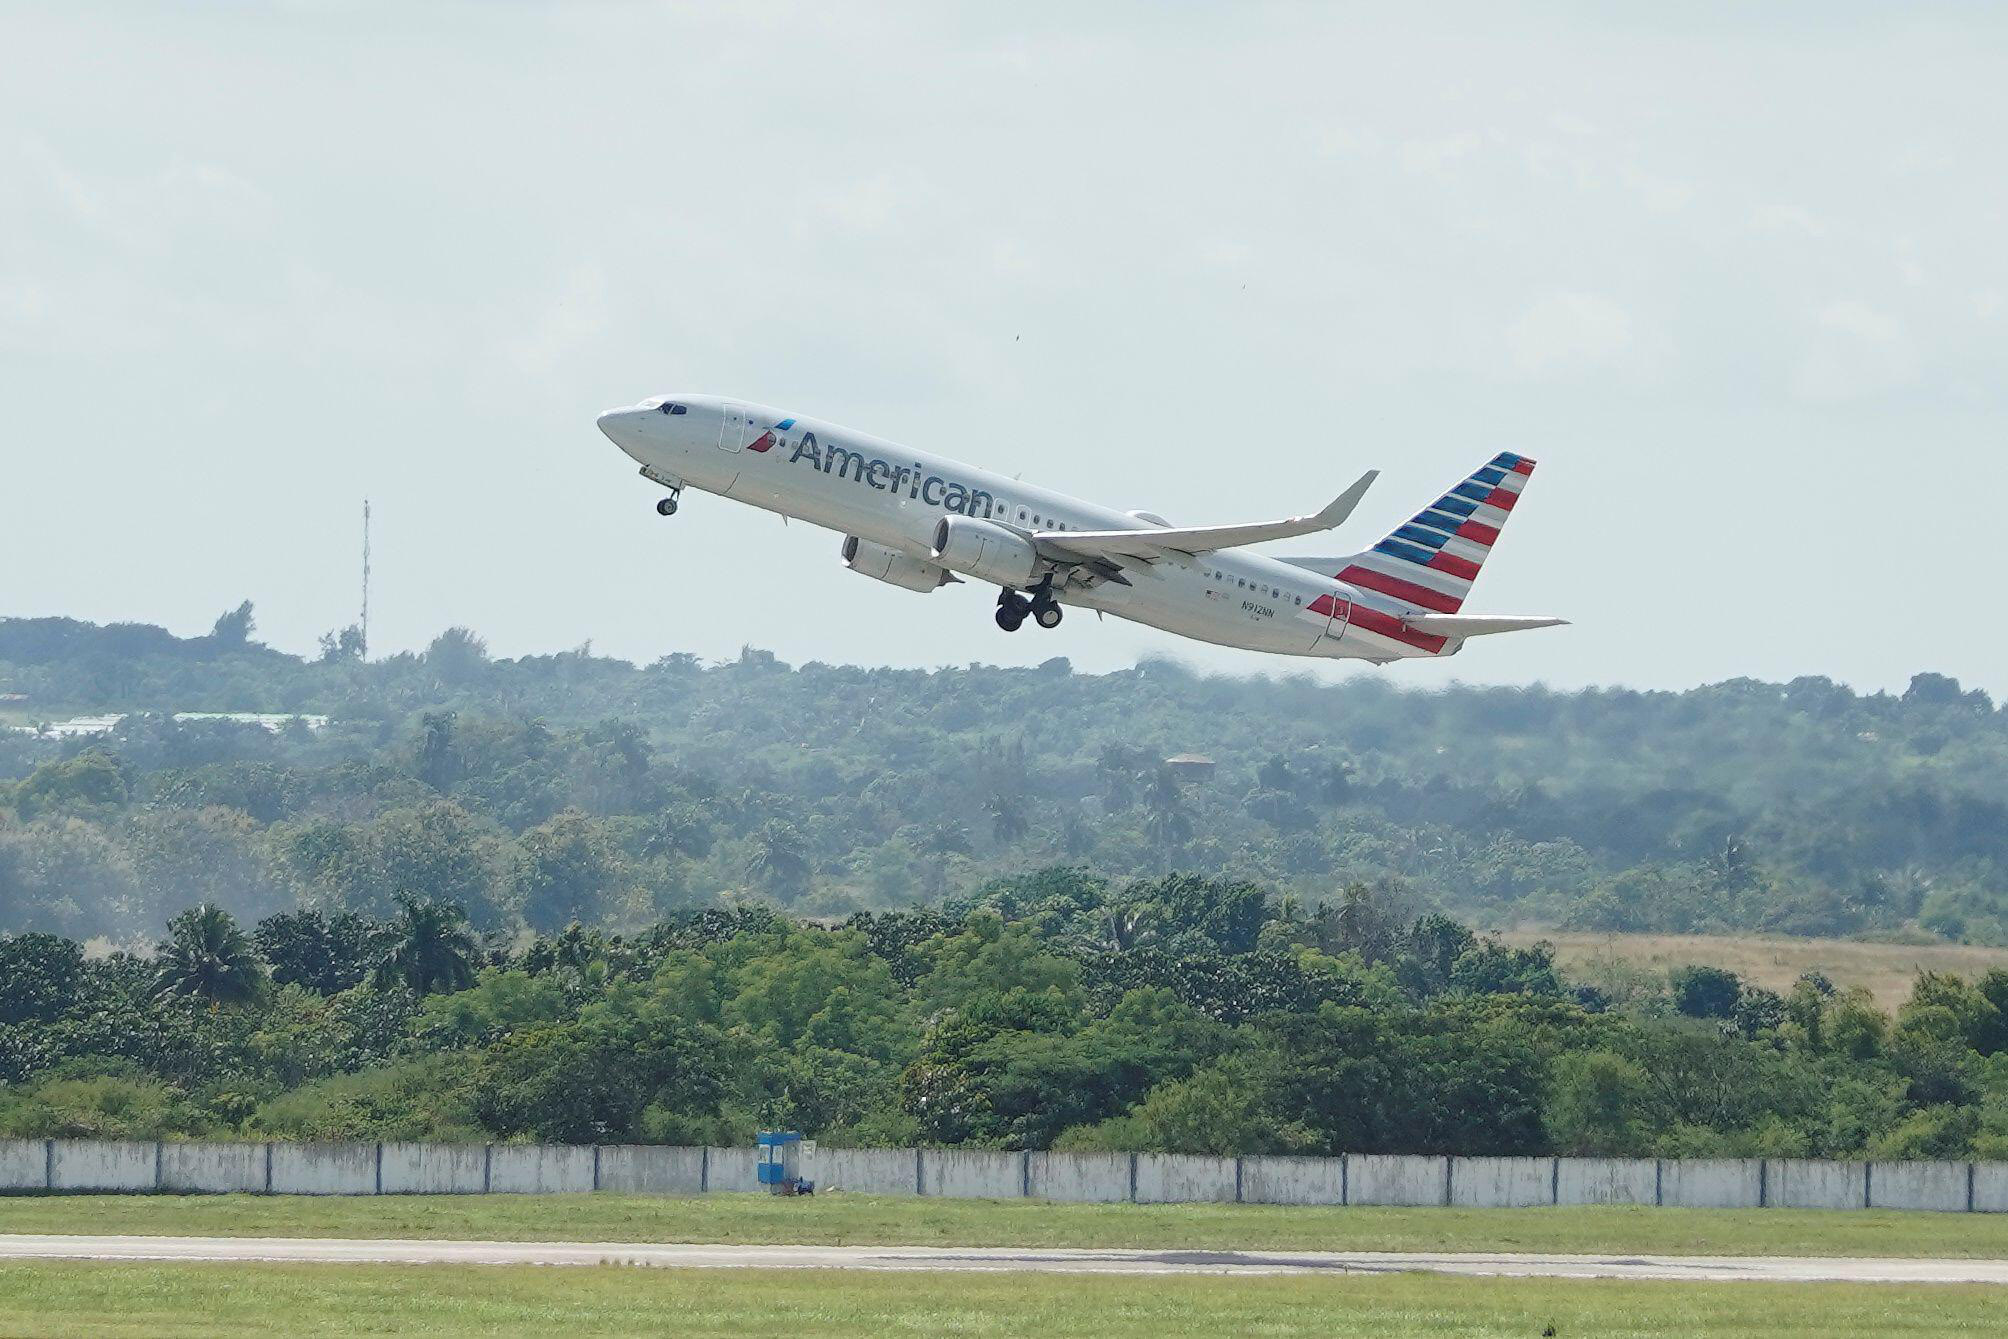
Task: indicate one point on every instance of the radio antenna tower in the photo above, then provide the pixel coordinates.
(366, 580)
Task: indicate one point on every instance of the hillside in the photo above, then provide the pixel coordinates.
(571, 786)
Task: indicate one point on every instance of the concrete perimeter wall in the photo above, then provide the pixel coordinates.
(42, 1165)
(213, 1168)
(104, 1164)
(1803, 1183)
(1284, 1180)
(972, 1174)
(867, 1171)
(1502, 1183)
(1606, 1181)
(1393, 1178)
(543, 1169)
(1179, 1178)
(652, 1169)
(1712, 1183)
(324, 1169)
(1990, 1187)
(1094, 1178)
(434, 1169)
(1941, 1186)
(24, 1164)
(732, 1169)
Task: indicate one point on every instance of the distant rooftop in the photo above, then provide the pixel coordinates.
(81, 726)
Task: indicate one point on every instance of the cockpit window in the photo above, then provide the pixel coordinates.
(669, 408)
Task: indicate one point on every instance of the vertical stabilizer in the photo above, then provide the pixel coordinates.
(1430, 562)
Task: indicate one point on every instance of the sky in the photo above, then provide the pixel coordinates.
(1734, 275)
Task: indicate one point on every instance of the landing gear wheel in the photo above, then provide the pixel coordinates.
(666, 507)
(1046, 615)
(1009, 618)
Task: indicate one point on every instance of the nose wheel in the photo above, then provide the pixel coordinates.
(666, 507)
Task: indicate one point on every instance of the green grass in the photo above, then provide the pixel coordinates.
(139, 1300)
(840, 1219)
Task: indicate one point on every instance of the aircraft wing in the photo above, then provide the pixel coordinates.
(1155, 542)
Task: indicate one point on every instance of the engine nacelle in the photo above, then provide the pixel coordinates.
(883, 564)
(985, 550)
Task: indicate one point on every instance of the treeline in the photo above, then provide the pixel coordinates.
(1052, 1010)
(548, 789)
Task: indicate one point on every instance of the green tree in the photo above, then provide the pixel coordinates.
(1008, 823)
(1167, 822)
(779, 862)
(91, 782)
(321, 953)
(1594, 1105)
(39, 976)
(206, 955)
(427, 949)
(234, 627)
(567, 870)
(1706, 992)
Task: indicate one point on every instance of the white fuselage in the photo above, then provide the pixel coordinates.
(895, 496)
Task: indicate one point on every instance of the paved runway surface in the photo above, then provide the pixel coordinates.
(1003, 1259)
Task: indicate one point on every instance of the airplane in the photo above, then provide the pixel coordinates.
(920, 522)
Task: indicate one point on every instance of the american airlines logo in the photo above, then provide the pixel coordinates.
(877, 472)
(766, 440)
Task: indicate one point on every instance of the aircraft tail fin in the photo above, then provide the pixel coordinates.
(1429, 562)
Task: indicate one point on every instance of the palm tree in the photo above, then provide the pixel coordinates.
(427, 948)
(1008, 823)
(207, 955)
(778, 863)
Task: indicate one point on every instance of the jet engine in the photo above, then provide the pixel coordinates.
(883, 564)
(985, 550)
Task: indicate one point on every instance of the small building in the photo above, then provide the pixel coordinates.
(1190, 766)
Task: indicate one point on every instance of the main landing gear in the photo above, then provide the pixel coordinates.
(1038, 602)
(667, 507)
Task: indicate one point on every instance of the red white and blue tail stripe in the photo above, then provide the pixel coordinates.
(1430, 562)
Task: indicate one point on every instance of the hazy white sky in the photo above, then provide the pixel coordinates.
(1736, 277)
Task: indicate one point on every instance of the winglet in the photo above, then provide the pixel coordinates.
(1339, 508)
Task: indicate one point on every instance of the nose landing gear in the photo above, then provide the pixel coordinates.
(666, 507)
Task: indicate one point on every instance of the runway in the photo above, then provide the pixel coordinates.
(1004, 1259)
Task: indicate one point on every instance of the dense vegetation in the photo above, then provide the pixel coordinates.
(549, 789)
(1046, 1010)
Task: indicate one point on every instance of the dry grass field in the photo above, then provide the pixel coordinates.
(1775, 962)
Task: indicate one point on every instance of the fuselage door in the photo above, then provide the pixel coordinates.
(732, 427)
(1339, 615)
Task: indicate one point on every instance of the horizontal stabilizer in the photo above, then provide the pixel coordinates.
(1478, 625)
(1153, 542)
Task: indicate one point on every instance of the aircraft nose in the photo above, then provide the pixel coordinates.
(618, 425)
